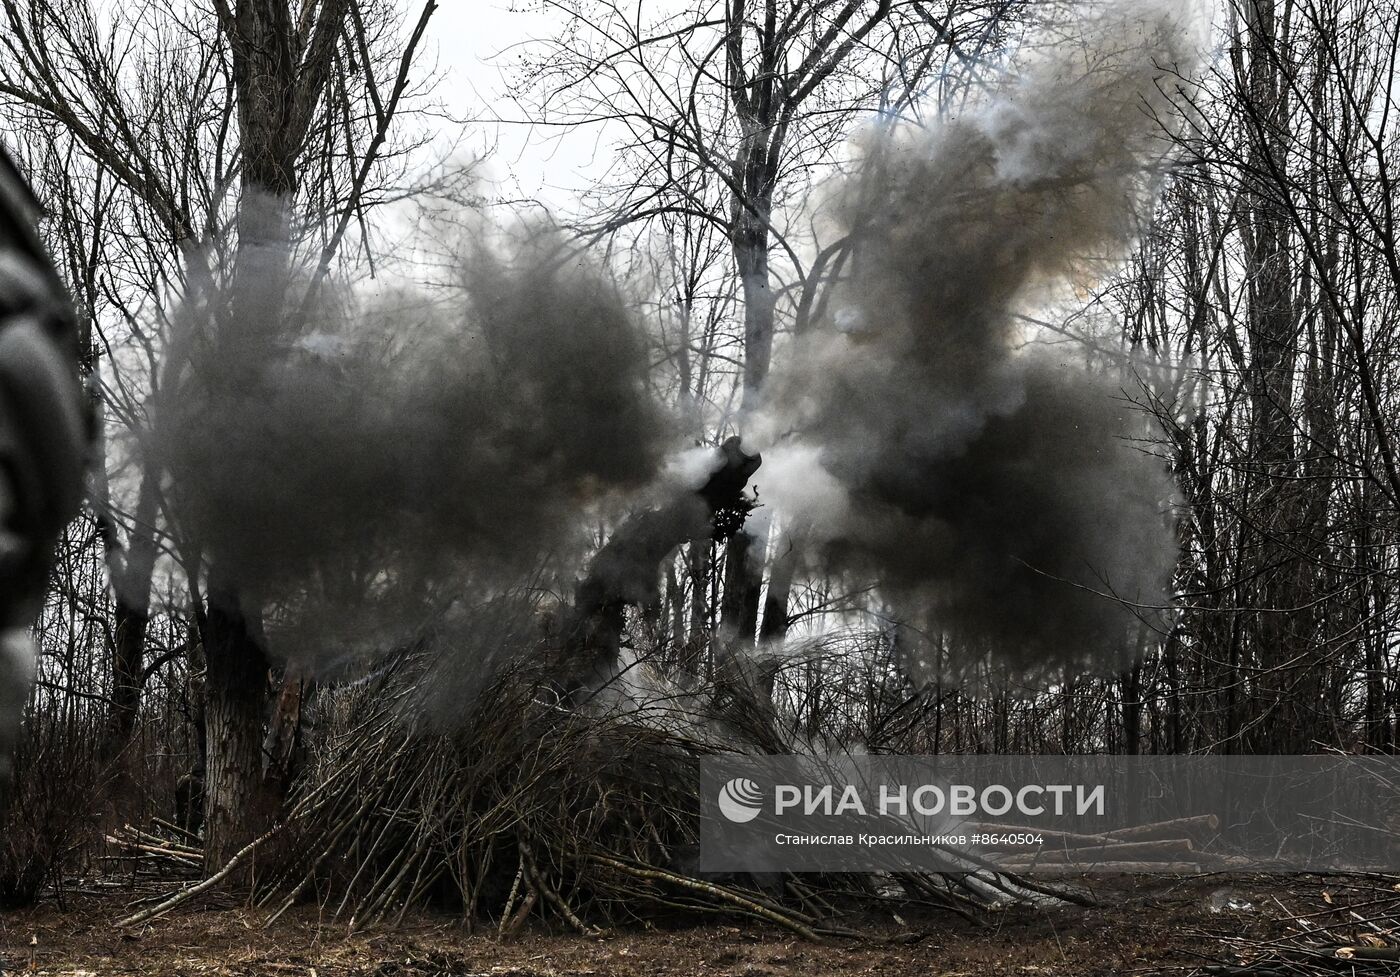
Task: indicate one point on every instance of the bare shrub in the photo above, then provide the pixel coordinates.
(52, 813)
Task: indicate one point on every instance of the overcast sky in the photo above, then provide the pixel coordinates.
(470, 41)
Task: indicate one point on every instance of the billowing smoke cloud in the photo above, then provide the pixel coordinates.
(995, 495)
(346, 468)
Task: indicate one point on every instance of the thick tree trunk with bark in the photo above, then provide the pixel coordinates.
(128, 664)
(280, 69)
(240, 803)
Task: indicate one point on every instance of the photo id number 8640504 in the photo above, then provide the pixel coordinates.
(1026, 838)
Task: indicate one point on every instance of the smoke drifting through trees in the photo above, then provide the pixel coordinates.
(995, 495)
(344, 465)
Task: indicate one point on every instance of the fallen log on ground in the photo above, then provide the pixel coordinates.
(1050, 840)
(1063, 870)
(1178, 849)
(1197, 828)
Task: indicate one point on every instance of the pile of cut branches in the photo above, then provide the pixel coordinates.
(529, 802)
(1349, 926)
(532, 806)
(164, 851)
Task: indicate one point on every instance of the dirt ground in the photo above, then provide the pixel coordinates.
(1145, 926)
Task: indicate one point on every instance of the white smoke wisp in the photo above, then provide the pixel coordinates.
(811, 497)
(999, 498)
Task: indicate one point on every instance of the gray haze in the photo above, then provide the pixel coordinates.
(356, 467)
(349, 470)
(993, 494)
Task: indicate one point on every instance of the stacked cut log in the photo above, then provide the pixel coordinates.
(171, 852)
(1162, 847)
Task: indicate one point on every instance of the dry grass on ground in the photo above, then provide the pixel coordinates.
(1146, 926)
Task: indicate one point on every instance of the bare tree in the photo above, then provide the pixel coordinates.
(193, 137)
(729, 119)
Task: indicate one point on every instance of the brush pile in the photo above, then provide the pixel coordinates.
(531, 805)
(576, 809)
(1346, 926)
(512, 808)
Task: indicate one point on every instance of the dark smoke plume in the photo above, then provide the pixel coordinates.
(350, 468)
(995, 496)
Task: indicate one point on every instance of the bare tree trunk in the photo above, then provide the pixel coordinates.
(743, 583)
(743, 586)
(1130, 684)
(766, 89)
(750, 241)
(774, 626)
(239, 804)
(132, 617)
(279, 72)
(698, 640)
(1282, 640)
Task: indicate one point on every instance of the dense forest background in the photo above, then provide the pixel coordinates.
(234, 636)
